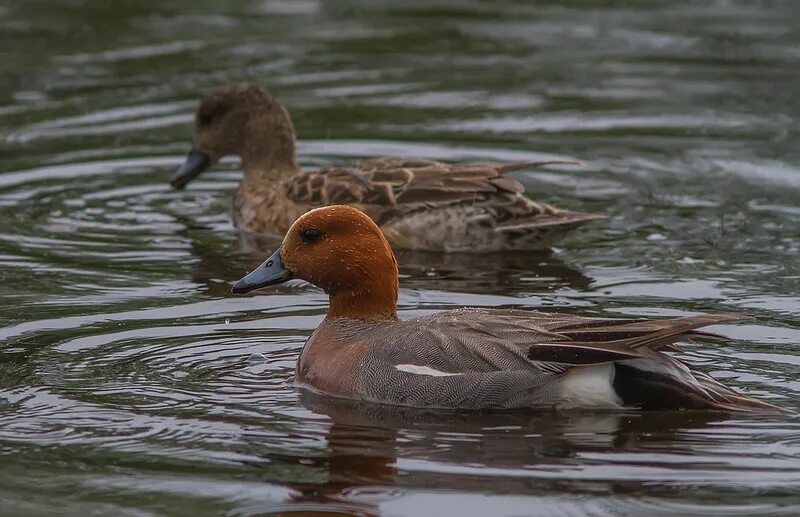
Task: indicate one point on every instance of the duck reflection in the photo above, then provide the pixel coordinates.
(504, 273)
(374, 449)
(219, 259)
(507, 273)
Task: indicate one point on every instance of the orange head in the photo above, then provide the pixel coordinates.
(341, 250)
(241, 119)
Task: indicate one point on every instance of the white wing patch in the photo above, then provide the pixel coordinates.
(423, 370)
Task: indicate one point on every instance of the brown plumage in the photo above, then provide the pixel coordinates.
(474, 358)
(419, 203)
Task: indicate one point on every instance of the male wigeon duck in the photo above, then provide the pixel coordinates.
(419, 204)
(473, 358)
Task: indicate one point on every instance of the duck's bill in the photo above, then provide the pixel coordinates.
(270, 272)
(196, 162)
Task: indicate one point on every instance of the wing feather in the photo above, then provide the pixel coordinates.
(491, 339)
(390, 187)
(515, 358)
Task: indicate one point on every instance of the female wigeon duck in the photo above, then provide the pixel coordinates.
(472, 358)
(419, 204)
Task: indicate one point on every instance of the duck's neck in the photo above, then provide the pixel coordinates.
(376, 303)
(268, 151)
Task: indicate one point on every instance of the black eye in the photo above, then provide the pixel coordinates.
(204, 118)
(311, 235)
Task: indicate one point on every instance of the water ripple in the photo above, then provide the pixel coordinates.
(133, 382)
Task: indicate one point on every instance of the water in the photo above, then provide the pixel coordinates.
(125, 383)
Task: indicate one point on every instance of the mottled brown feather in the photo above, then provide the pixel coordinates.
(397, 186)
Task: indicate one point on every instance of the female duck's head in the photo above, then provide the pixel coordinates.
(341, 250)
(241, 119)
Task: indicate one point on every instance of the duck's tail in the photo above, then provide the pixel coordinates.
(725, 398)
(511, 167)
(543, 229)
(659, 381)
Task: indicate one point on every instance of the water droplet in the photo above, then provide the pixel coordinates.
(257, 358)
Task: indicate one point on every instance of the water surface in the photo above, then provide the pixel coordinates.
(125, 385)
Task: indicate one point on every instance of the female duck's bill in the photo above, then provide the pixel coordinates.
(474, 358)
(270, 272)
(196, 163)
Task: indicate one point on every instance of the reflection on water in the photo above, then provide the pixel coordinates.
(124, 381)
(401, 449)
(502, 273)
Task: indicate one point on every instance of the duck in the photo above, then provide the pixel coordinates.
(419, 204)
(474, 358)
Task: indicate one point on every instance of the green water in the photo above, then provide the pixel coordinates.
(125, 384)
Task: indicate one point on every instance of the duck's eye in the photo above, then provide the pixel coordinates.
(204, 119)
(311, 235)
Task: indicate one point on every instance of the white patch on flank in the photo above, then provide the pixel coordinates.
(422, 370)
(589, 386)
